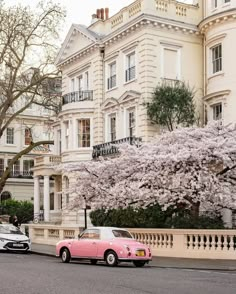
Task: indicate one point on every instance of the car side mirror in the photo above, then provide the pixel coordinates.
(79, 236)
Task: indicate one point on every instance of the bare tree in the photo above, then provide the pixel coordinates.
(28, 46)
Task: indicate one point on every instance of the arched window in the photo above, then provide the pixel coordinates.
(5, 196)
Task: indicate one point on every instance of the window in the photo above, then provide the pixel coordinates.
(217, 111)
(86, 80)
(122, 234)
(90, 234)
(214, 3)
(131, 123)
(84, 133)
(59, 141)
(112, 127)
(66, 124)
(111, 81)
(130, 67)
(28, 136)
(80, 83)
(27, 165)
(226, 1)
(72, 85)
(216, 58)
(10, 136)
(1, 166)
(15, 172)
(171, 62)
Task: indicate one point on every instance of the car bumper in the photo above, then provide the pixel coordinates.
(11, 246)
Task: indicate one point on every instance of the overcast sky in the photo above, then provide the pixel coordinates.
(80, 11)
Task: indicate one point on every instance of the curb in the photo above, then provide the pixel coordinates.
(158, 266)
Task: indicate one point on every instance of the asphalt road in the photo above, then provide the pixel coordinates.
(34, 274)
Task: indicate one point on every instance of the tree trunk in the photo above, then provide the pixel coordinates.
(8, 169)
(195, 210)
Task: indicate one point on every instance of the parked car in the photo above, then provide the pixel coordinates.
(112, 245)
(12, 239)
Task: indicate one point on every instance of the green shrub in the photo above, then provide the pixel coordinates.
(24, 210)
(154, 217)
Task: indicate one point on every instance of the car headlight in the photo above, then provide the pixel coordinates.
(3, 240)
(127, 247)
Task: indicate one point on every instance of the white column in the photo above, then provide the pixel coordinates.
(46, 198)
(56, 190)
(36, 196)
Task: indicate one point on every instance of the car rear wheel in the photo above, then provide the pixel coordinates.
(111, 258)
(65, 256)
(139, 263)
(93, 261)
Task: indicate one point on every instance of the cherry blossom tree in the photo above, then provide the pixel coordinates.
(191, 167)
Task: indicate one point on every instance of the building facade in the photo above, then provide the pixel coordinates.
(33, 123)
(110, 69)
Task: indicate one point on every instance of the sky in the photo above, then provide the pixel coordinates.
(80, 11)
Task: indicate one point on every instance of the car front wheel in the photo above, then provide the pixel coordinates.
(111, 258)
(139, 263)
(65, 256)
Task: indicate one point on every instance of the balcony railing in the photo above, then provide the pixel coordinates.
(130, 74)
(77, 97)
(110, 148)
(21, 174)
(50, 160)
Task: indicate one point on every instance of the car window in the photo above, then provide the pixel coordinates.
(10, 230)
(90, 234)
(121, 234)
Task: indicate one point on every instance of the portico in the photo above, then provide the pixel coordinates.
(48, 198)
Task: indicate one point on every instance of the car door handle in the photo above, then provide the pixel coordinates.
(94, 243)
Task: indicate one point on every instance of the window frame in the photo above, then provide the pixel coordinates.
(112, 77)
(10, 142)
(83, 143)
(129, 70)
(216, 61)
(214, 111)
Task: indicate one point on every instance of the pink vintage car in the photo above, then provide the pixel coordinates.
(113, 245)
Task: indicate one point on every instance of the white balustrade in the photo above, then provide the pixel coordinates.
(208, 244)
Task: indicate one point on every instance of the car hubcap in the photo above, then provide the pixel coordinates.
(111, 258)
(64, 256)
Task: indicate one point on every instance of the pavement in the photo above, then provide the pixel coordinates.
(162, 262)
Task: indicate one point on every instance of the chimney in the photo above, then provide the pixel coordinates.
(94, 18)
(98, 13)
(107, 13)
(102, 13)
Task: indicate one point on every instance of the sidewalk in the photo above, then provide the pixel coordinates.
(163, 262)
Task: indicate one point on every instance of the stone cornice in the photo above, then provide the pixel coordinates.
(142, 21)
(218, 18)
(216, 94)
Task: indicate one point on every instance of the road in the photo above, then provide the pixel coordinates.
(35, 274)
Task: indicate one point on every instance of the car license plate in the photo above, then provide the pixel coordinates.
(140, 253)
(18, 245)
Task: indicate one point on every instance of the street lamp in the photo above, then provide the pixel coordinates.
(85, 215)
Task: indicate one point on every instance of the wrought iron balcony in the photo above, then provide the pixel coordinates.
(77, 97)
(110, 148)
(21, 174)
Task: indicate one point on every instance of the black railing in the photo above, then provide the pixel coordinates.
(21, 174)
(130, 74)
(111, 82)
(110, 148)
(77, 97)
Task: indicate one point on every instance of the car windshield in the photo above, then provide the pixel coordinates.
(8, 229)
(121, 234)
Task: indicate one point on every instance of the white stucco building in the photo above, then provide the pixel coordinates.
(33, 123)
(110, 69)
